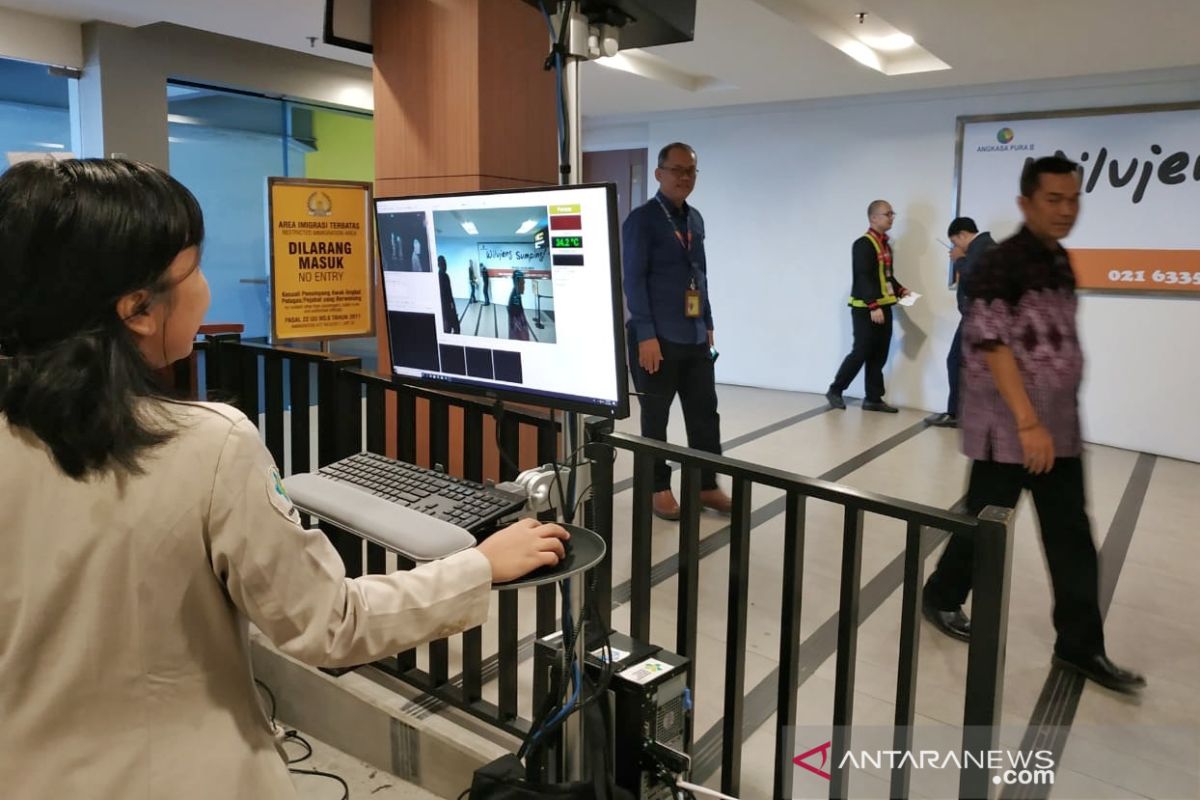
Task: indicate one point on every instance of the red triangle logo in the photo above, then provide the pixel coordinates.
(823, 749)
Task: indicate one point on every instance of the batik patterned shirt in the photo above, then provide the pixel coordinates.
(1022, 296)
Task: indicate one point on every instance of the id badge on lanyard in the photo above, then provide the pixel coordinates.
(692, 306)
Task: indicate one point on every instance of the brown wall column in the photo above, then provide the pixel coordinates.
(461, 103)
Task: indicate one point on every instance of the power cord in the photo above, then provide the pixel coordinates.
(294, 736)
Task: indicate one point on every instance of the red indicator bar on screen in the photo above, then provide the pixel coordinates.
(566, 222)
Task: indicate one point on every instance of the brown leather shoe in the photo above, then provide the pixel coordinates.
(716, 500)
(664, 505)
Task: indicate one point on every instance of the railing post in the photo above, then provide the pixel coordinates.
(640, 550)
(219, 365)
(339, 411)
(406, 425)
(601, 456)
(985, 656)
(687, 621)
(300, 391)
(847, 648)
(789, 638)
(472, 640)
(339, 434)
(247, 383)
(273, 408)
(906, 672)
(546, 614)
(439, 454)
(508, 633)
(735, 638)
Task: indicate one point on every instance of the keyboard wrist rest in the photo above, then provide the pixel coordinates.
(406, 531)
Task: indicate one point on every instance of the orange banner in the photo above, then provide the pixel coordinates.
(322, 251)
(1137, 270)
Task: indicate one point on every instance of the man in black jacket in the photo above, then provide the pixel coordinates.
(969, 245)
(875, 290)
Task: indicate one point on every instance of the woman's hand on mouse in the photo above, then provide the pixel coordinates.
(523, 547)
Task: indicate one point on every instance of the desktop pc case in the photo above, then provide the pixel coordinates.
(648, 701)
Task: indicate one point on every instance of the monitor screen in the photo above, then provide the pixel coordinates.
(514, 294)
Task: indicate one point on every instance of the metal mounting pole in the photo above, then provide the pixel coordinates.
(572, 431)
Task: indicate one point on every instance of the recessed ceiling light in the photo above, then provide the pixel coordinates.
(862, 54)
(889, 44)
(470, 228)
(527, 226)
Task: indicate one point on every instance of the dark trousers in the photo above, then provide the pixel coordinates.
(954, 370)
(487, 291)
(1058, 497)
(871, 344)
(686, 369)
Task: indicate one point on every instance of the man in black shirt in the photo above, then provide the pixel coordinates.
(874, 291)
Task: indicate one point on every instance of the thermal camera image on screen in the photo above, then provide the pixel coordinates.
(522, 298)
(499, 283)
(404, 242)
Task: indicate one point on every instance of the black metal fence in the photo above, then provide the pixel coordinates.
(353, 408)
(352, 412)
(985, 664)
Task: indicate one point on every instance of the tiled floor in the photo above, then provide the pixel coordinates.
(363, 780)
(1116, 747)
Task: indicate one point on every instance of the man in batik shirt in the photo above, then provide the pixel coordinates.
(1020, 420)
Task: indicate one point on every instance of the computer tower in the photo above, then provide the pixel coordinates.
(649, 705)
(651, 708)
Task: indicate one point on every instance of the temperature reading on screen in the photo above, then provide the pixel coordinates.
(568, 241)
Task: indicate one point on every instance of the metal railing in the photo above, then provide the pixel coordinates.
(992, 567)
(352, 415)
(353, 409)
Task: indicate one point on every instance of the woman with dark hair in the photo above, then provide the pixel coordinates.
(141, 533)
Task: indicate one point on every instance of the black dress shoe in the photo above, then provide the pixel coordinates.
(835, 399)
(942, 421)
(954, 624)
(1104, 672)
(879, 405)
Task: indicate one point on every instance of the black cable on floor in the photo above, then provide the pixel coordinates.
(294, 736)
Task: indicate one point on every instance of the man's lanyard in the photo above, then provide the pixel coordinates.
(684, 242)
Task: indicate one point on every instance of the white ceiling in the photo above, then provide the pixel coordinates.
(758, 55)
(493, 224)
(283, 23)
(756, 51)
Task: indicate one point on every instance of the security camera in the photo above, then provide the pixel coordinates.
(604, 41)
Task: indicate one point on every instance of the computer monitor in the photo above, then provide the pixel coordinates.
(513, 294)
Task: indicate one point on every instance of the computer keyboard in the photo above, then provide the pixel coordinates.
(467, 504)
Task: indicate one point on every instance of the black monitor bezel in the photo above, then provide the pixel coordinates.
(563, 402)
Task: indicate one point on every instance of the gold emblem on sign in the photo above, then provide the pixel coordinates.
(319, 205)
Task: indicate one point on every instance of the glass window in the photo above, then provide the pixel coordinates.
(223, 146)
(34, 110)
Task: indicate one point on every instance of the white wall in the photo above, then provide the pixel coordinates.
(784, 191)
(46, 40)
